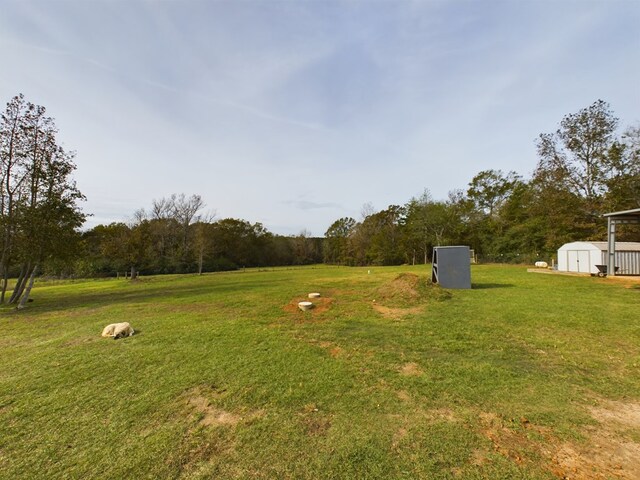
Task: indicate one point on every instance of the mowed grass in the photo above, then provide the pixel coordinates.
(226, 379)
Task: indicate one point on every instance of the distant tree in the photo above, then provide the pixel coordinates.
(577, 154)
(39, 211)
(240, 243)
(580, 167)
(129, 246)
(336, 246)
(184, 211)
(489, 189)
(165, 233)
(386, 247)
(487, 194)
(304, 248)
(367, 210)
(13, 176)
(624, 183)
(203, 239)
(417, 229)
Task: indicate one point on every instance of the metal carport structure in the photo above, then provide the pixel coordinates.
(613, 219)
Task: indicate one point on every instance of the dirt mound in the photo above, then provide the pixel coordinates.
(406, 286)
(406, 295)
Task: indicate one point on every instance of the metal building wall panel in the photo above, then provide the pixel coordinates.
(628, 263)
(451, 267)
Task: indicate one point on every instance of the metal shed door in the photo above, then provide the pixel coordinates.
(572, 261)
(584, 261)
(578, 261)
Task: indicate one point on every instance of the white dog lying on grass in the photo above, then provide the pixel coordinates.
(118, 330)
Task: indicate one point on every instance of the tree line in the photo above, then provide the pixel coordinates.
(585, 168)
(176, 236)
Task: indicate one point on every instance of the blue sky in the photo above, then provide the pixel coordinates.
(296, 113)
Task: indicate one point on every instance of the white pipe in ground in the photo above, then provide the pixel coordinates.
(305, 305)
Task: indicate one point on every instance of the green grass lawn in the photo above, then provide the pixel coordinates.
(523, 376)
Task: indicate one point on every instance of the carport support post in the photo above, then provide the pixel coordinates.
(611, 246)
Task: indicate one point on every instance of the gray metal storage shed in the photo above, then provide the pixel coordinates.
(451, 267)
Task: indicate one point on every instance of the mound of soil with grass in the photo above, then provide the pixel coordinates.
(406, 294)
(409, 289)
(406, 287)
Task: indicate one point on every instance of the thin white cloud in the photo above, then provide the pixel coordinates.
(295, 113)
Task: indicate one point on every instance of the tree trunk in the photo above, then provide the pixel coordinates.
(27, 292)
(5, 281)
(134, 273)
(20, 283)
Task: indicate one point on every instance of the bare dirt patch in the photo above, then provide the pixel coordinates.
(410, 369)
(627, 414)
(211, 416)
(398, 436)
(320, 306)
(607, 452)
(438, 414)
(506, 441)
(403, 395)
(200, 407)
(336, 352)
(314, 422)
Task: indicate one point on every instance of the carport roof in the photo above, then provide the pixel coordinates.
(620, 246)
(625, 214)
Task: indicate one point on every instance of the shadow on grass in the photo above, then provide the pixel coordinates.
(486, 286)
(132, 293)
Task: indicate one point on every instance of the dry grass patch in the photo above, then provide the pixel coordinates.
(209, 415)
(398, 436)
(403, 395)
(74, 342)
(396, 313)
(410, 369)
(200, 406)
(313, 421)
(407, 426)
(628, 281)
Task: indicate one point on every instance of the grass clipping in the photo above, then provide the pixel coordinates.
(407, 294)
